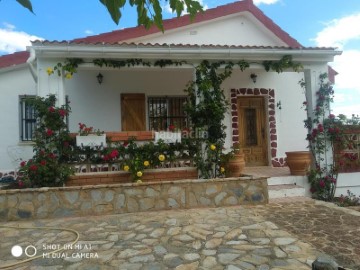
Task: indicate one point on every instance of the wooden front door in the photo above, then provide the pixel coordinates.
(252, 130)
(133, 112)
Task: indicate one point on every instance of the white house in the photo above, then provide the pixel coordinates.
(266, 114)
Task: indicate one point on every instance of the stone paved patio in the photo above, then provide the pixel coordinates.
(281, 235)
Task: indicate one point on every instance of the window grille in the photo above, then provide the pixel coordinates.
(28, 119)
(166, 111)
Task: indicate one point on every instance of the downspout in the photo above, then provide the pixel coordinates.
(31, 62)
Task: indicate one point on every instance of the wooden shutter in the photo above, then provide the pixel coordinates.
(133, 112)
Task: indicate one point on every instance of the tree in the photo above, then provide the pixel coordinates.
(149, 11)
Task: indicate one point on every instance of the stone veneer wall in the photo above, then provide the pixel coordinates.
(270, 95)
(117, 177)
(129, 198)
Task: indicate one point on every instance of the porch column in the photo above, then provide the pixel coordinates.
(312, 84)
(50, 84)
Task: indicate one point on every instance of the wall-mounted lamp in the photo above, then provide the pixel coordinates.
(253, 76)
(100, 78)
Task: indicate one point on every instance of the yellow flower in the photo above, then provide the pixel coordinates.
(146, 163)
(138, 181)
(222, 169)
(126, 168)
(68, 76)
(161, 157)
(212, 147)
(49, 71)
(139, 174)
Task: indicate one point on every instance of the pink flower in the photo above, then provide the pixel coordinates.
(51, 109)
(20, 184)
(331, 116)
(43, 162)
(23, 163)
(52, 155)
(322, 183)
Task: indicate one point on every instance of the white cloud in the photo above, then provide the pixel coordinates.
(89, 32)
(348, 110)
(347, 65)
(12, 40)
(339, 31)
(267, 2)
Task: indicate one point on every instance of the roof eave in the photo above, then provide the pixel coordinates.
(189, 52)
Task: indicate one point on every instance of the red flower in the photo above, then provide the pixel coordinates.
(23, 163)
(171, 127)
(51, 109)
(320, 128)
(62, 112)
(49, 132)
(20, 184)
(81, 126)
(43, 162)
(33, 168)
(126, 143)
(52, 155)
(114, 154)
(322, 183)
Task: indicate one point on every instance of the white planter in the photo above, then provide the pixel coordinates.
(91, 140)
(168, 137)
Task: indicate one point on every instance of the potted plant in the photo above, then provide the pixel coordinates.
(234, 162)
(90, 137)
(298, 162)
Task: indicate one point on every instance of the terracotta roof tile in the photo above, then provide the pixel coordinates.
(13, 59)
(125, 44)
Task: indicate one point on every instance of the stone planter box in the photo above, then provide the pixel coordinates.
(129, 198)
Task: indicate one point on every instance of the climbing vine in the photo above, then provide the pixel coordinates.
(325, 135)
(207, 104)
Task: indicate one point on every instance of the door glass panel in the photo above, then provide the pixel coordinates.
(250, 122)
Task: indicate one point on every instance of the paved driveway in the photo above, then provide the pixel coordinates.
(280, 235)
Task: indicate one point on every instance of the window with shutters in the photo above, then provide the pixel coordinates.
(166, 111)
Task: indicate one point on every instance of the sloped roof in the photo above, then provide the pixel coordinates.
(209, 14)
(13, 59)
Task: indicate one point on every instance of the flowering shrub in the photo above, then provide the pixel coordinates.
(326, 132)
(52, 146)
(85, 130)
(348, 200)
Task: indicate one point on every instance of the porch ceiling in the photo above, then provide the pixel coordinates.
(181, 51)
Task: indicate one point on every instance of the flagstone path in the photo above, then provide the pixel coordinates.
(276, 236)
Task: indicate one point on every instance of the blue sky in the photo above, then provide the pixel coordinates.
(312, 22)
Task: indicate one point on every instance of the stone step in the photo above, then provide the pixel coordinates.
(287, 180)
(287, 190)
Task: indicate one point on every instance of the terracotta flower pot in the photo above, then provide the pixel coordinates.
(236, 165)
(298, 162)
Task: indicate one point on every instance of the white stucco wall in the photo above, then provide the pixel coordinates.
(99, 105)
(240, 29)
(13, 84)
(291, 133)
(348, 181)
